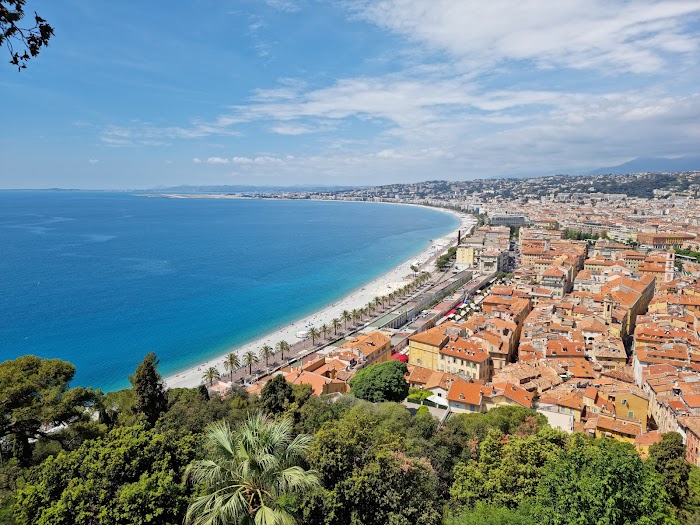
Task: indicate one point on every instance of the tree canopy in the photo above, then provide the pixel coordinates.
(277, 394)
(23, 43)
(290, 456)
(381, 382)
(36, 400)
(150, 398)
(130, 476)
(249, 473)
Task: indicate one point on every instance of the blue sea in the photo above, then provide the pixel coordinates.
(101, 279)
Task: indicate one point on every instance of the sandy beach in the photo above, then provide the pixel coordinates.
(386, 283)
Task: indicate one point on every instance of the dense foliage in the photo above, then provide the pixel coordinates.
(150, 398)
(381, 382)
(250, 474)
(34, 395)
(129, 476)
(352, 461)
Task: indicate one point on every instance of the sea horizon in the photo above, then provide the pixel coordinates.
(164, 292)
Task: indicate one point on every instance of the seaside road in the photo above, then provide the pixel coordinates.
(301, 349)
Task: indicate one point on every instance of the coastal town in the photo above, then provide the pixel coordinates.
(584, 306)
(397, 262)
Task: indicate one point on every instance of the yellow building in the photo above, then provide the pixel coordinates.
(465, 256)
(465, 358)
(424, 348)
(373, 347)
(617, 428)
(630, 402)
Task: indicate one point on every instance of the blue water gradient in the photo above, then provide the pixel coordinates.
(101, 279)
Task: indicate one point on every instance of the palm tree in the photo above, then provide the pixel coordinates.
(335, 323)
(248, 471)
(282, 347)
(355, 315)
(249, 359)
(211, 374)
(325, 330)
(346, 316)
(266, 352)
(378, 301)
(232, 363)
(370, 307)
(314, 333)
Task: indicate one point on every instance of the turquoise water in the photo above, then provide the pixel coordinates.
(101, 279)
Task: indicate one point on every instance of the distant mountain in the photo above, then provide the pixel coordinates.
(652, 164)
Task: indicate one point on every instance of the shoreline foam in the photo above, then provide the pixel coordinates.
(382, 285)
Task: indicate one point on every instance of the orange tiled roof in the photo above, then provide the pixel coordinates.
(465, 392)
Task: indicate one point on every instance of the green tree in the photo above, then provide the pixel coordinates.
(22, 43)
(276, 395)
(381, 382)
(34, 396)
(250, 473)
(325, 330)
(266, 352)
(346, 316)
(232, 363)
(691, 511)
(150, 397)
(335, 323)
(601, 481)
(314, 333)
(364, 461)
(484, 514)
(282, 347)
(390, 488)
(210, 375)
(668, 459)
(132, 475)
(249, 359)
(507, 472)
(192, 409)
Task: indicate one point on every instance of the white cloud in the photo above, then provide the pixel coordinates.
(581, 34)
(461, 108)
(197, 160)
(93, 161)
(217, 160)
(284, 5)
(287, 129)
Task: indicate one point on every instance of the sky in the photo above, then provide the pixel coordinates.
(347, 92)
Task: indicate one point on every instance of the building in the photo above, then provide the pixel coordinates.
(498, 219)
(663, 240)
(370, 348)
(464, 396)
(466, 359)
(424, 348)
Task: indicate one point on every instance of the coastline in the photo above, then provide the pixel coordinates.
(382, 285)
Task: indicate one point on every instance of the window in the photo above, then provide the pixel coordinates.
(630, 414)
(417, 361)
